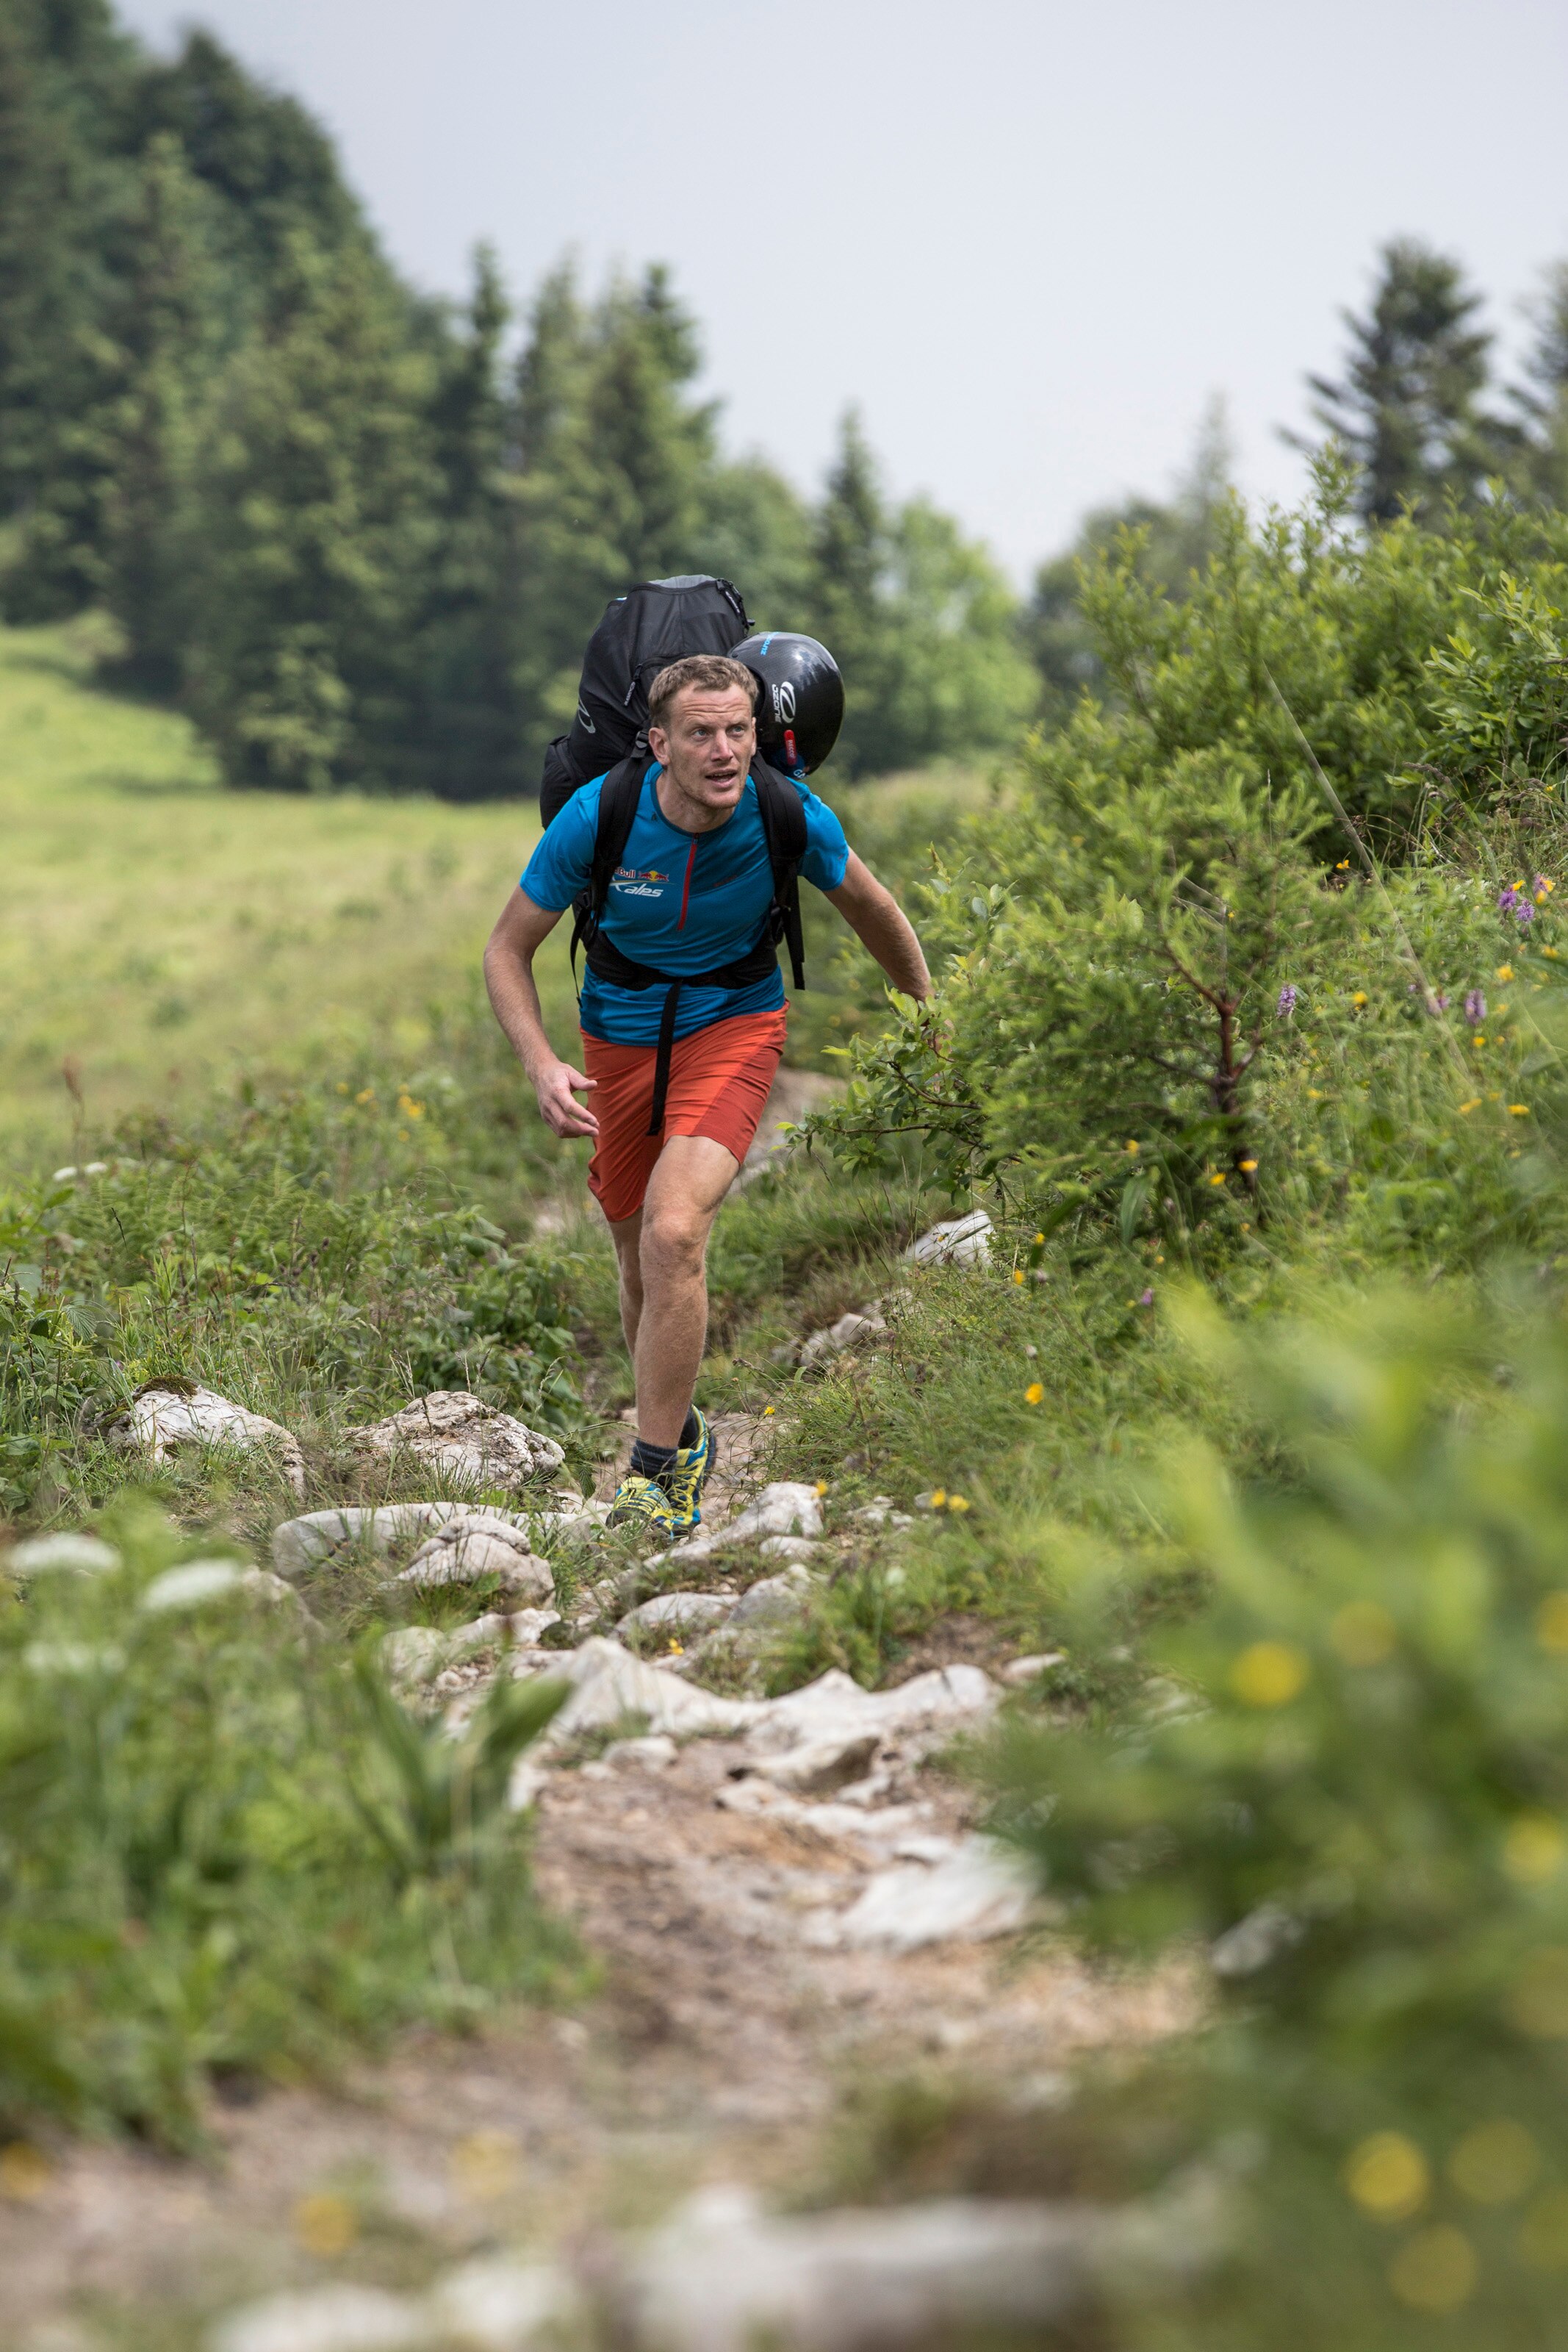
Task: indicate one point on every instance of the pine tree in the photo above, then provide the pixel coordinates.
(1409, 407)
(320, 494)
(1542, 465)
(61, 68)
(171, 338)
(470, 720)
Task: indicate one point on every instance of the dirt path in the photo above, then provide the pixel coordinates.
(731, 2012)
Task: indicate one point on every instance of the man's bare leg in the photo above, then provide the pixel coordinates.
(664, 1279)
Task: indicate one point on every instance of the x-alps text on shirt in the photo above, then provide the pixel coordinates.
(636, 882)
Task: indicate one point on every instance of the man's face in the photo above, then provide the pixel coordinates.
(707, 743)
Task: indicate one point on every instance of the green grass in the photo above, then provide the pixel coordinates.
(162, 934)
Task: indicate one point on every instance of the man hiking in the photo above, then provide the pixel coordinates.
(692, 906)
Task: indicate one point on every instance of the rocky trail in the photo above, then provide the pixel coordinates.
(780, 1896)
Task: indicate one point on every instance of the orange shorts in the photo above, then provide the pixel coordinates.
(719, 1080)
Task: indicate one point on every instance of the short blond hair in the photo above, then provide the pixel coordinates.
(708, 673)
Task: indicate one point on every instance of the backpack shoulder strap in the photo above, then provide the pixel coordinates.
(618, 797)
(783, 814)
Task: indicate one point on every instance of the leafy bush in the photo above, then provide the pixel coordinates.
(1349, 1781)
(1194, 1000)
(221, 1851)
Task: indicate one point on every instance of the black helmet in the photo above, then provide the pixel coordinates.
(802, 705)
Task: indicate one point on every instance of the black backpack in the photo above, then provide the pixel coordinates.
(653, 624)
(658, 623)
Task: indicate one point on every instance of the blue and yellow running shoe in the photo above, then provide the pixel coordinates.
(688, 1475)
(642, 1501)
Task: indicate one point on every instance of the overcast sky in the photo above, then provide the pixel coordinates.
(1029, 239)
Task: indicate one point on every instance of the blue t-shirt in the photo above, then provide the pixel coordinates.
(680, 901)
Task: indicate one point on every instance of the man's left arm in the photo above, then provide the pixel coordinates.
(875, 915)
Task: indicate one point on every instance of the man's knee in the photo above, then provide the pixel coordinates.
(675, 1238)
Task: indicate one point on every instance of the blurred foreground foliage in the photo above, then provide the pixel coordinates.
(226, 1848)
(1346, 1777)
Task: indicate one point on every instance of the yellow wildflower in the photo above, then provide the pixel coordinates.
(1218, 1176)
(1505, 972)
(1249, 1168)
(1133, 1147)
(1495, 2162)
(938, 1497)
(1388, 2177)
(1360, 997)
(1268, 1673)
(1532, 1849)
(1018, 1274)
(1035, 1392)
(326, 2224)
(956, 1503)
(1434, 2271)
(1466, 1109)
(1519, 1111)
(1551, 1621)
(767, 1409)
(822, 1485)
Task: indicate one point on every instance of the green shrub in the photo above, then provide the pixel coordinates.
(1348, 1779)
(223, 1850)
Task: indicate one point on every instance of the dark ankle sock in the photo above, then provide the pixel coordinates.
(690, 1427)
(651, 1461)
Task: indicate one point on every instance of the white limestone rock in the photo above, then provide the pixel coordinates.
(791, 1548)
(1020, 1672)
(959, 1240)
(165, 1416)
(978, 1891)
(311, 1539)
(466, 1439)
(416, 1653)
(678, 1612)
(786, 1507)
(474, 1547)
(860, 1324)
(774, 1602)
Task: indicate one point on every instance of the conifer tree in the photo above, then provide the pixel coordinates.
(320, 491)
(470, 718)
(1543, 396)
(1409, 409)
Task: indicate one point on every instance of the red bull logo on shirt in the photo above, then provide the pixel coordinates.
(639, 881)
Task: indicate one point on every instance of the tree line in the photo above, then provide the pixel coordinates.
(362, 535)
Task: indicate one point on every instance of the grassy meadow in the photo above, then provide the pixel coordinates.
(163, 935)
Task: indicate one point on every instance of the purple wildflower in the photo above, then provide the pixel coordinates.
(1287, 1004)
(1475, 1007)
(1441, 1002)
(1509, 900)
(1147, 1300)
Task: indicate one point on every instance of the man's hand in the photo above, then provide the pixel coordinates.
(555, 1086)
(510, 976)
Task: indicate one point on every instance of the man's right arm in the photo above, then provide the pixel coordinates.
(517, 939)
